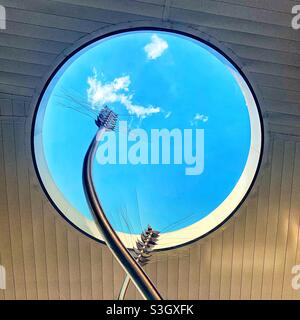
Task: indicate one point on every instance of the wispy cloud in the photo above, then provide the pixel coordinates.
(198, 118)
(100, 93)
(156, 47)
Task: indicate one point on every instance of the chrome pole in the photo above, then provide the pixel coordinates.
(120, 252)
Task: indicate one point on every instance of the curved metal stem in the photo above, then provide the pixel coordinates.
(132, 268)
(124, 288)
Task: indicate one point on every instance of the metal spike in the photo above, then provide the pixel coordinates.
(134, 254)
(155, 236)
(140, 246)
(144, 237)
(107, 119)
(151, 244)
(145, 244)
(136, 251)
(145, 254)
(152, 233)
(147, 250)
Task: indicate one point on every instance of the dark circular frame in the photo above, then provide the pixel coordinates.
(183, 33)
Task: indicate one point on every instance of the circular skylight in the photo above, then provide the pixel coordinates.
(186, 149)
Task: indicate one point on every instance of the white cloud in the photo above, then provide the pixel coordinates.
(100, 94)
(156, 47)
(199, 117)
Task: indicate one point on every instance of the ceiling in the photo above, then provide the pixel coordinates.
(252, 255)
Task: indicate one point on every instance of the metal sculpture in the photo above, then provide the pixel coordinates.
(106, 121)
(141, 254)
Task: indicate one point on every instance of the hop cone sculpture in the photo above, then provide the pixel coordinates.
(141, 253)
(107, 119)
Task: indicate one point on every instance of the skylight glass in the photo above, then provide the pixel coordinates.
(187, 146)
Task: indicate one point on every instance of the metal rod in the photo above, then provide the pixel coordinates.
(120, 252)
(124, 288)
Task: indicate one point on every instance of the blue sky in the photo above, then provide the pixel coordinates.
(153, 80)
